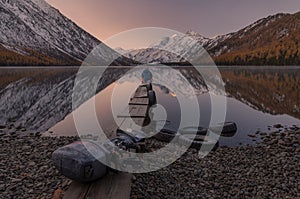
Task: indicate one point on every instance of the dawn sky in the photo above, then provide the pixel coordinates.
(208, 17)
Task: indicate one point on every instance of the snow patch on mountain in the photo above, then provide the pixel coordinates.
(190, 42)
(176, 48)
(34, 25)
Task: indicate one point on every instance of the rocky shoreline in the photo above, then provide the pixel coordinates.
(269, 170)
(26, 169)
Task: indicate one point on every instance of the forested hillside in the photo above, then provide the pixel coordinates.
(271, 41)
(32, 58)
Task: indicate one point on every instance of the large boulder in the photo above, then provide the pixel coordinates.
(77, 163)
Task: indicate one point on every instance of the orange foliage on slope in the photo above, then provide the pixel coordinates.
(11, 58)
(276, 41)
(275, 90)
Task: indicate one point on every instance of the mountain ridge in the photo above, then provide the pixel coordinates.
(273, 40)
(34, 33)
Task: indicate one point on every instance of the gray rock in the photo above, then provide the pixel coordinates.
(76, 162)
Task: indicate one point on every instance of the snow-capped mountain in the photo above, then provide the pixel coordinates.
(273, 40)
(183, 46)
(33, 28)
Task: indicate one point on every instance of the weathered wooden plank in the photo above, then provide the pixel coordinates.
(114, 186)
(137, 111)
(139, 101)
(142, 96)
(139, 121)
(77, 190)
(130, 116)
(141, 91)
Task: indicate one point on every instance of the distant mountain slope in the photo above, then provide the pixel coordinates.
(32, 58)
(274, 40)
(34, 33)
(182, 45)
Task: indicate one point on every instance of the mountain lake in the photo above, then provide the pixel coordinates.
(259, 99)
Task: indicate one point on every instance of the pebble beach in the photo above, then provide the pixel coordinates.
(26, 168)
(270, 169)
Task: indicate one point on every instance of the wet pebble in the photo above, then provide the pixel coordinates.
(268, 170)
(26, 169)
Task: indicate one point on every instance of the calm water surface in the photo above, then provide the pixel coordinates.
(251, 114)
(257, 99)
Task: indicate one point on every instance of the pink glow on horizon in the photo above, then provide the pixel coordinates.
(104, 18)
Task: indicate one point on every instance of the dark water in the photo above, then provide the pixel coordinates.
(257, 99)
(255, 103)
(248, 120)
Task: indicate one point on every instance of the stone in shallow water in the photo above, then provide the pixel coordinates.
(278, 126)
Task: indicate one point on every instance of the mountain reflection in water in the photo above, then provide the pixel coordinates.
(39, 99)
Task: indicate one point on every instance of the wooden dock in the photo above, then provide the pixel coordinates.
(115, 186)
